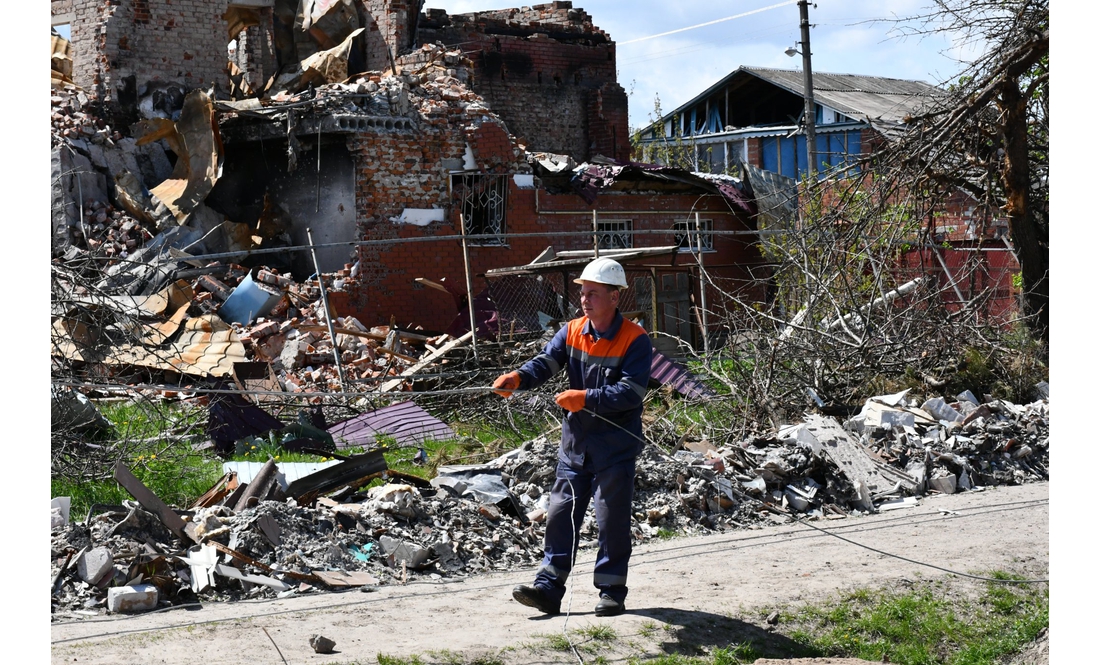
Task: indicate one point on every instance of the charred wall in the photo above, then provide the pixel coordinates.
(322, 200)
(547, 71)
(122, 47)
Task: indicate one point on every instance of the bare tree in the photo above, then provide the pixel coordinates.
(989, 135)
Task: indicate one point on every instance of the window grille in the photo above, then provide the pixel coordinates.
(688, 241)
(615, 233)
(482, 199)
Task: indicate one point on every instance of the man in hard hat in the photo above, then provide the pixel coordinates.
(607, 359)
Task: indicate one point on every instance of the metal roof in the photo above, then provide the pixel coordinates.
(863, 97)
(872, 97)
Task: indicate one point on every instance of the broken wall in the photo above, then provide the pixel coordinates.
(546, 71)
(322, 200)
(121, 47)
(387, 272)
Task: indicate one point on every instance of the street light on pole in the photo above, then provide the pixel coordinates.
(810, 111)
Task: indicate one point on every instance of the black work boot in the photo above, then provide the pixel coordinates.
(532, 596)
(609, 607)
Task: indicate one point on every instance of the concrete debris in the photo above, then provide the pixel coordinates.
(137, 598)
(321, 644)
(488, 517)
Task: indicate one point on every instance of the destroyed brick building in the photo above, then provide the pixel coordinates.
(377, 124)
(751, 121)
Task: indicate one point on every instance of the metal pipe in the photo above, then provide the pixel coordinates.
(328, 312)
(469, 286)
(595, 236)
(702, 285)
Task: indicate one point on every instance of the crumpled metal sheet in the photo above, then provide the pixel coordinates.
(232, 417)
(406, 422)
(329, 22)
(61, 60)
(589, 179)
(199, 154)
(665, 370)
(329, 66)
(207, 346)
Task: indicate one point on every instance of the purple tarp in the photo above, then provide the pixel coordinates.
(667, 371)
(406, 422)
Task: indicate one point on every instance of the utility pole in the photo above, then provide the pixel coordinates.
(808, 91)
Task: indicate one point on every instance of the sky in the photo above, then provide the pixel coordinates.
(846, 37)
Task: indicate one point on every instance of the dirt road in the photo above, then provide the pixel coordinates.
(689, 593)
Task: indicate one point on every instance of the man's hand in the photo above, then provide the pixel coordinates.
(506, 383)
(571, 400)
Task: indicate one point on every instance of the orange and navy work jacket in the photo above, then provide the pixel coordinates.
(613, 370)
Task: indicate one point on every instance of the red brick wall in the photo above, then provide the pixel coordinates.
(547, 72)
(182, 41)
(387, 287)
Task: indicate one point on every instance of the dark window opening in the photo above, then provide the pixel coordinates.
(482, 200)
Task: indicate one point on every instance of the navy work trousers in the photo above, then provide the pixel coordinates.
(613, 490)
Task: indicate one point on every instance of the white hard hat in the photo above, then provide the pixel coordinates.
(603, 271)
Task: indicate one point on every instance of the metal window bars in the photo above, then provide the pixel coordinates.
(688, 240)
(482, 199)
(615, 234)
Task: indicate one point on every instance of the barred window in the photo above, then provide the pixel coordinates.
(615, 233)
(688, 240)
(482, 199)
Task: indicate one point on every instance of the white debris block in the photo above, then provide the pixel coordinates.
(967, 396)
(137, 598)
(894, 504)
(945, 484)
(893, 418)
(94, 564)
(1044, 389)
(801, 435)
(419, 216)
(795, 501)
(61, 503)
(941, 410)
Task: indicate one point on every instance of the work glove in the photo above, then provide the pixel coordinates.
(506, 383)
(571, 400)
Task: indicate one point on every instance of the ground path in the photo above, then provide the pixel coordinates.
(697, 592)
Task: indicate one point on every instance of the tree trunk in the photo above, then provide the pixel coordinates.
(1029, 241)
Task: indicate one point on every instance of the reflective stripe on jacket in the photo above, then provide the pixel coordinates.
(613, 370)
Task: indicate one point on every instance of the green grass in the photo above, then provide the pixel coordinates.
(176, 483)
(383, 659)
(925, 625)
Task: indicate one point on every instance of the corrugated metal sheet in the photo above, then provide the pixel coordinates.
(667, 371)
(855, 95)
(291, 471)
(205, 346)
(886, 100)
(406, 422)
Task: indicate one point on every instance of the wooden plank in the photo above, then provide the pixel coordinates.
(304, 577)
(217, 491)
(427, 360)
(152, 503)
(334, 477)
